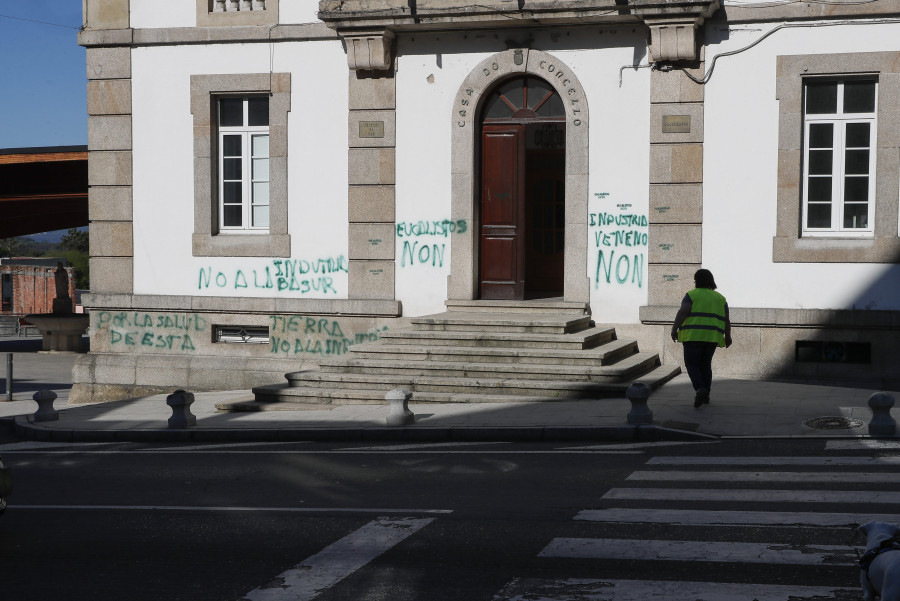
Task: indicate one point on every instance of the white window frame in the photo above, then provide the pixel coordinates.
(840, 120)
(249, 202)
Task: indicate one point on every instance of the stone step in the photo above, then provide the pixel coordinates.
(460, 369)
(584, 339)
(601, 355)
(285, 397)
(555, 306)
(455, 321)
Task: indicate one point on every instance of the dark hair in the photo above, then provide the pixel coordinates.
(704, 279)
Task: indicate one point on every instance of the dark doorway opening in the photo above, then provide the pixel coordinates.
(522, 204)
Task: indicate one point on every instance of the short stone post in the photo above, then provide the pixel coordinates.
(638, 393)
(180, 402)
(882, 423)
(45, 412)
(400, 414)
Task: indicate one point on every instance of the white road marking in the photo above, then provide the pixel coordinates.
(33, 446)
(660, 590)
(641, 445)
(239, 446)
(757, 496)
(824, 461)
(679, 476)
(422, 446)
(856, 444)
(679, 550)
(200, 450)
(335, 562)
(226, 508)
(690, 517)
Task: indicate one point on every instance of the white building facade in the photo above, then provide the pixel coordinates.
(274, 181)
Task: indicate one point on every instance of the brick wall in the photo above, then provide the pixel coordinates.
(34, 288)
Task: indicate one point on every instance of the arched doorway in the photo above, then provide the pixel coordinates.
(522, 198)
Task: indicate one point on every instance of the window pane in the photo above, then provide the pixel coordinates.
(231, 112)
(515, 92)
(858, 135)
(258, 110)
(260, 170)
(261, 216)
(260, 146)
(819, 189)
(821, 135)
(821, 98)
(856, 162)
(232, 216)
(497, 109)
(818, 215)
(260, 193)
(553, 107)
(859, 97)
(231, 146)
(856, 216)
(856, 189)
(231, 169)
(537, 89)
(232, 192)
(820, 162)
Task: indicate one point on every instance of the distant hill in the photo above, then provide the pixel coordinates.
(51, 237)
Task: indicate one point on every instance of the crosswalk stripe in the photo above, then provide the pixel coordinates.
(685, 476)
(679, 550)
(666, 590)
(690, 517)
(786, 496)
(825, 461)
(335, 562)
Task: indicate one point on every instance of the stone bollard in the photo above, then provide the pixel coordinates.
(180, 402)
(400, 414)
(882, 423)
(45, 412)
(638, 393)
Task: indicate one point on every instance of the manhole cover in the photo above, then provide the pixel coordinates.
(833, 423)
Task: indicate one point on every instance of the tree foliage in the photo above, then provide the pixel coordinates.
(75, 239)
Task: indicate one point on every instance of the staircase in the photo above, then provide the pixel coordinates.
(476, 352)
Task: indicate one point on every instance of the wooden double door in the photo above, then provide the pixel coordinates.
(522, 210)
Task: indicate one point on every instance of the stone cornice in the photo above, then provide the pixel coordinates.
(673, 23)
(171, 36)
(760, 13)
(401, 15)
(244, 305)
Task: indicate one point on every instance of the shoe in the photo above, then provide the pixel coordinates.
(701, 398)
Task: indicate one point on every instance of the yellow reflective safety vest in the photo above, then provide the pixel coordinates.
(706, 322)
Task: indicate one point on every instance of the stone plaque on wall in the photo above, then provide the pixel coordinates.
(371, 129)
(676, 124)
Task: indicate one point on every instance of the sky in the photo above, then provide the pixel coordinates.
(42, 74)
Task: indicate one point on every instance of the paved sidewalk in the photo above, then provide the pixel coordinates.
(739, 408)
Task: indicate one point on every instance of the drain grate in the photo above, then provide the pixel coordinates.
(833, 423)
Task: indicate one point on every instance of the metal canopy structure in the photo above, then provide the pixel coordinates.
(43, 189)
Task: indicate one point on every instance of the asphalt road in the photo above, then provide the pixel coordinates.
(496, 522)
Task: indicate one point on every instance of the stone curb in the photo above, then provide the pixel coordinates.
(25, 428)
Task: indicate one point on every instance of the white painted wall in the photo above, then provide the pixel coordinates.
(183, 13)
(163, 13)
(163, 166)
(431, 69)
(298, 11)
(741, 176)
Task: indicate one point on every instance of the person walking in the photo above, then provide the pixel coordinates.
(702, 325)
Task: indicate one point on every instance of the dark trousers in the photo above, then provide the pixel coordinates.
(698, 362)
